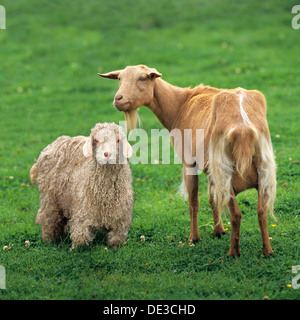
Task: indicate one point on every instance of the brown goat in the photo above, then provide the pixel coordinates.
(238, 152)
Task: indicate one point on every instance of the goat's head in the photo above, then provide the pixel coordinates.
(108, 144)
(136, 87)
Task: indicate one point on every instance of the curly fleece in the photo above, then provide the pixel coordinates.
(82, 194)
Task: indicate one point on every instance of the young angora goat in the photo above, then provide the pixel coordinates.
(86, 183)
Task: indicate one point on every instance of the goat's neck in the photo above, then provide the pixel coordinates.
(166, 102)
(105, 170)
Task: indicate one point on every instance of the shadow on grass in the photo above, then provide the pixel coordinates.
(65, 240)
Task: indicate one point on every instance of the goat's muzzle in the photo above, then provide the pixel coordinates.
(121, 106)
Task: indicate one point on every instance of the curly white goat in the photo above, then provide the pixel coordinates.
(86, 183)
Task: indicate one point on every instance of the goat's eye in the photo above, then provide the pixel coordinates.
(96, 140)
(118, 140)
(142, 79)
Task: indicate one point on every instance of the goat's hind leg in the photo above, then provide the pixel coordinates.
(51, 219)
(218, 225)
(235, 218)
(262, 220)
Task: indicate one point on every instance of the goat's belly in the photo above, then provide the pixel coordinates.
(249, 181)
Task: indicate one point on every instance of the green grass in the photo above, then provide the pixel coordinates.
(50, 55)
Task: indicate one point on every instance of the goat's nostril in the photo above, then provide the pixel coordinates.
(118, 97)
(107, 154)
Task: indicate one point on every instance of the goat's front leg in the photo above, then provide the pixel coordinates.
(115, 237)
(191, 182)
(81, 230)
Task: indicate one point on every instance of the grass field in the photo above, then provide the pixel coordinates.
(51, 52)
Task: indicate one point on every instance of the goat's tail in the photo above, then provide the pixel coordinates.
(243, 140)
(228, 153)
(33, 174)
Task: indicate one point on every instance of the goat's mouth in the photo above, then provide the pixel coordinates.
(122, 106)
(106, 161)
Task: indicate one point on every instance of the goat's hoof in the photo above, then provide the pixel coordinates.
(268, 253)
(190, 240)
(218, 234)
(233, 253)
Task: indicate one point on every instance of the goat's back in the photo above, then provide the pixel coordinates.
(239, 106)
(58, 162)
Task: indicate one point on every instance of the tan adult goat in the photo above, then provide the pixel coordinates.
(238, 152)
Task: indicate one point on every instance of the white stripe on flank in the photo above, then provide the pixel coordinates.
(243, 112)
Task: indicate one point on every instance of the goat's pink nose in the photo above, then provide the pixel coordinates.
(118, 97)
(107, 154)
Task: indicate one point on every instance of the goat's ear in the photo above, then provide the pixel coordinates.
(110, 75)
(126, 148)
(87, 148)
(153, 73)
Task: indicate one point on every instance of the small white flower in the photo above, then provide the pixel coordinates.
(9, 247)
(142, 238)
(27, 243)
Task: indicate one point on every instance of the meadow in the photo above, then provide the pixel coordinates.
(50, 54)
